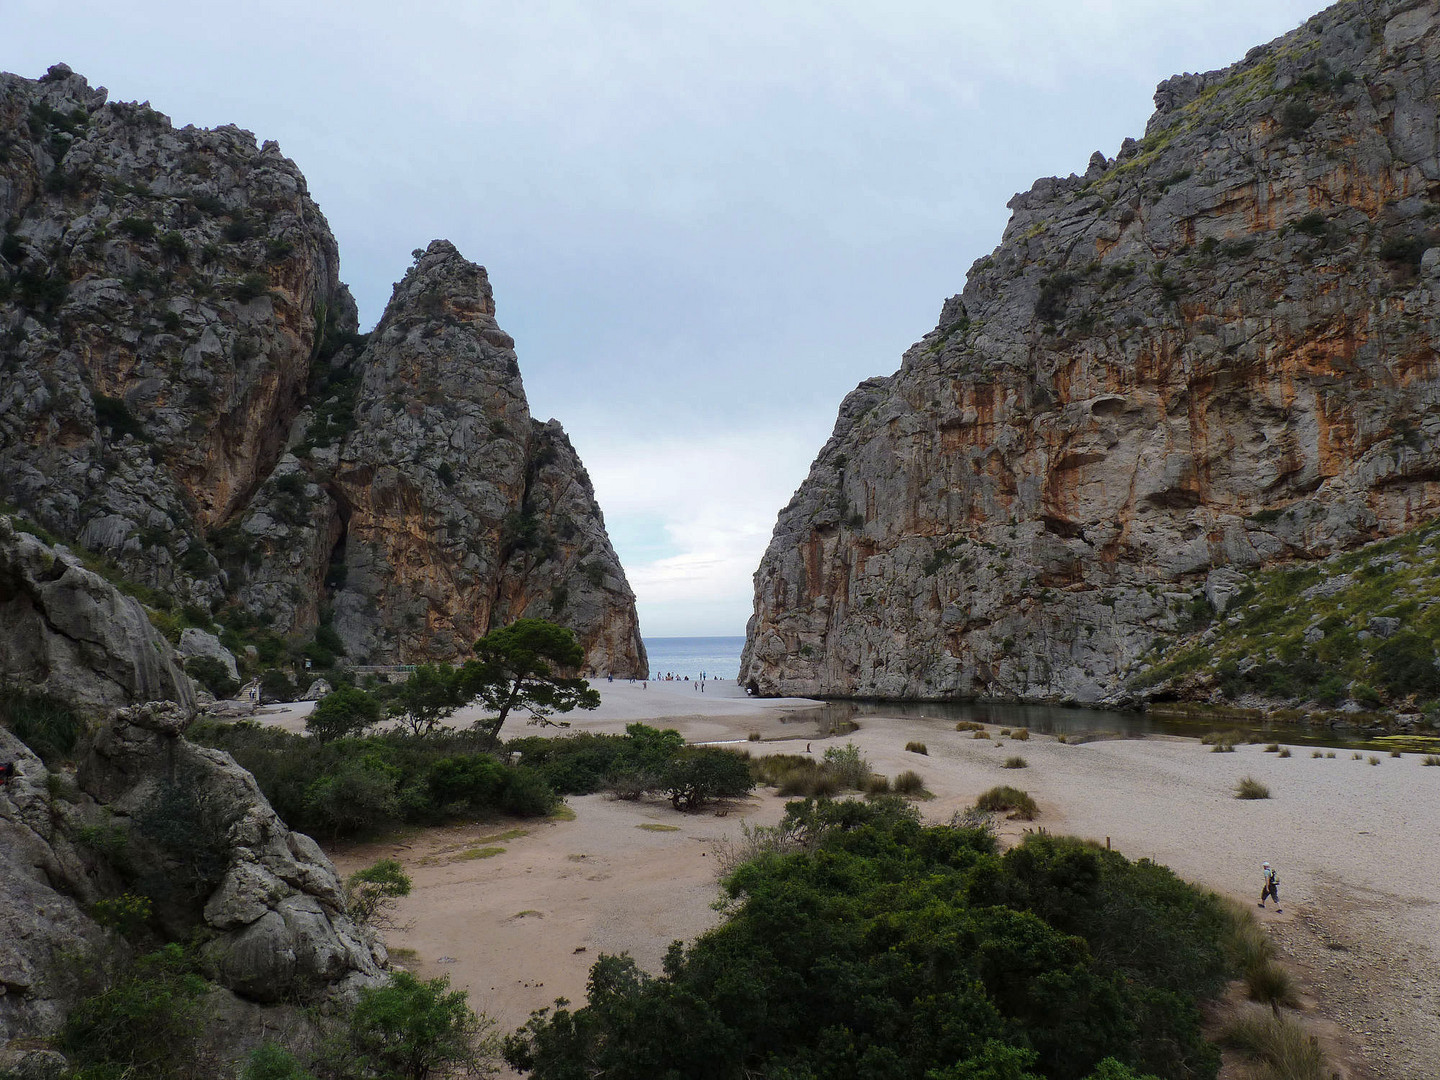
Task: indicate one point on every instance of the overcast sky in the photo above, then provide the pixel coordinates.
(704, 222)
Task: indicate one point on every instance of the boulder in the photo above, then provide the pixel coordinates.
(67, 632)
(197, 642)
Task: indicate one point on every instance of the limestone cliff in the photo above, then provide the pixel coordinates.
(183, 392)
(1215, 351)
(458, 513)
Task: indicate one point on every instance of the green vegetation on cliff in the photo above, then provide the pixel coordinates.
(1363, 626)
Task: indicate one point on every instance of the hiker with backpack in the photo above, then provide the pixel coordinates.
(1270, 886)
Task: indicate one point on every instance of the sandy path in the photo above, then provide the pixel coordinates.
(1354, 845)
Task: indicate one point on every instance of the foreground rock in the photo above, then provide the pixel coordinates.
(1216, 351)
(198, 838)
(68, 633)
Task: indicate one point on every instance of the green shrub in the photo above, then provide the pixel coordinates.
(213, 675)
(275, 685)
(1431, 759)
(173, 244)
(1020, 734)
(194, 834)
(343, 713)
(127, 913)
(49, 728)
(347, 787)
(1016, 762)
(237, 230)
(1405, 664)
(1017, 803)
(269, 1061)
(527, 795)
(142, 1024)
(372, 893)
(916, 748)
(698, 775)
(412, 1030)
(847, 765)
(356, 799)
(137, 228)
(251, 287)
(881, 948)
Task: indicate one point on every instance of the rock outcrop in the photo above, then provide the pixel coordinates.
(183, 392)
(197, 837)
(68, 633)
(1216, 351)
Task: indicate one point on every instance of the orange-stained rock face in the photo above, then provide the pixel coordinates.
(1216, 351)
(183, 391)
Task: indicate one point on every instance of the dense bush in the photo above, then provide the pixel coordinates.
(700, 774)
(411, 1030)
(354, 787)
(890, 950)
(140, 1022)
(213, 675)
(342, 713)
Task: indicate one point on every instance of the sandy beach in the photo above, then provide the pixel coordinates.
(516, 912)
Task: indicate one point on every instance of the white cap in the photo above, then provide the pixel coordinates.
(1265, 866)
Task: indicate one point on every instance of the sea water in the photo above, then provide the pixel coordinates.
(716, 657)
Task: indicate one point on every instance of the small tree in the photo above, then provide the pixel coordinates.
(342, 713)
(371, 894)
(413, 1030)
(432, 693)
(520, 665)
(698, 774)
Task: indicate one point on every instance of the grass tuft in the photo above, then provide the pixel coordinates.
(1020, 734)
(1019, 805)
(1250, 788)
(1289, 1052)
(917, 748)
(981, 735)
(1284, 753)
(1431, 759)
(1272, 748)
(969, 725)
(909, 783)
(1016, 762)
(1317, 753)
(1374, 760)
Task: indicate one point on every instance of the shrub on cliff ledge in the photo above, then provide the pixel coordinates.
(43, 724)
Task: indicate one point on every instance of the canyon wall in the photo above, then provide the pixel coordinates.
(1214, 352)
(183, 393)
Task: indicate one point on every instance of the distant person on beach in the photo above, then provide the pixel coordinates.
(1270, 886)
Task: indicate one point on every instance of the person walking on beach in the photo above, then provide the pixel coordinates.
(1270, 886)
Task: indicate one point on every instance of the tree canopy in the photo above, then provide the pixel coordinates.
(523, 666)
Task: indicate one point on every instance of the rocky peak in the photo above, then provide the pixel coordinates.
(1214, 351)
(183, 392)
